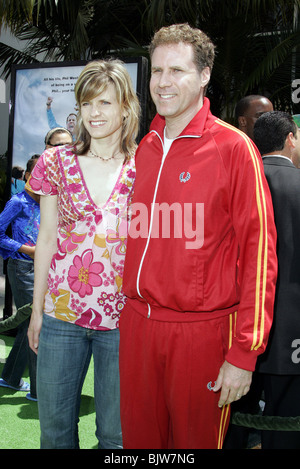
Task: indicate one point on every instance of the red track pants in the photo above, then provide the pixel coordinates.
(166, 371)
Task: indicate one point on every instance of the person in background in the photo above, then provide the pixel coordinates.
(278, 140)
(17, 180)
(22, 213)
(249, 109)
(85, 191)
(21, 272)
(15, 319)
(58, 136)
(296, 118)
(200, 296)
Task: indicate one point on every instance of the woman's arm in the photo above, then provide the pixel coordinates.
(46, 247)
(28, 250)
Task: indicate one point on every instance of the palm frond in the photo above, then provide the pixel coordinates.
(10, 56)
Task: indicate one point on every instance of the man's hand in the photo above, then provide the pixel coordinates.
(233, 382)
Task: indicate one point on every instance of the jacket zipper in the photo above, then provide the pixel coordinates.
(152, 213)
(150, 227)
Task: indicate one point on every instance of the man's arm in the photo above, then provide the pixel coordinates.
(251, 212)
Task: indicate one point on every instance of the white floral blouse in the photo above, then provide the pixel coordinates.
(85, 277)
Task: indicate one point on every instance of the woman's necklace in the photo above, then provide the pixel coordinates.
(101, 157)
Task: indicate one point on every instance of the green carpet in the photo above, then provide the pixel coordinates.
(19, 421)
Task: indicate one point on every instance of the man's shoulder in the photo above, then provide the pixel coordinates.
(223, 128)
(230, 140)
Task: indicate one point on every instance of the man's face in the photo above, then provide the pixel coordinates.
(176, 85)
(296, 150)
(71, 123)
(256, 109)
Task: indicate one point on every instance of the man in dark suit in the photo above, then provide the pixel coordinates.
(278, 140)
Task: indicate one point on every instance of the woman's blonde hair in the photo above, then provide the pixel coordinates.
(93, 80)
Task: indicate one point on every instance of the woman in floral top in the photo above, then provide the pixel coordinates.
(85, 191)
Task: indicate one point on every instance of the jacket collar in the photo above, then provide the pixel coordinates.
(194, 128)
(277, 160)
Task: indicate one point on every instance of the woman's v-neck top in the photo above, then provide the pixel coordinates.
(85, 276)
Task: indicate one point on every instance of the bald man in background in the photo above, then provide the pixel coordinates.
(249, 109)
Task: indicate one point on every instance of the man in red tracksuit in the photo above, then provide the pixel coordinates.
(201, 265)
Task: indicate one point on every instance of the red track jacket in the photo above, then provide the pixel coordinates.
(202, 240)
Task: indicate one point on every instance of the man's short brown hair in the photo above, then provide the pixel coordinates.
(204, 49)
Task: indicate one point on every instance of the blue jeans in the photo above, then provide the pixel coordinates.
(21, 275)
(64, 356)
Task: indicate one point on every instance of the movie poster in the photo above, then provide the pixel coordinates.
(36, 86)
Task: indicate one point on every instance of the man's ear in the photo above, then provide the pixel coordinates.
(242, 121)
(290, 140)
(205, 76)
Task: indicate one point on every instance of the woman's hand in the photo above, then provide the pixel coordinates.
(34, 330)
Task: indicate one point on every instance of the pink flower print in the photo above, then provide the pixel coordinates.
(84, 274)
(53, 284)
(72, 171)
(82, 197)
(119, 306)
(74, 187)
(37, 181)
(89, 220)
(124, 189)
(111, 297)
(67, 161)
(119, 267)
(118, 237)
(108, 309)
(98, 217)
(71, 239)
(109, 280)
(91, 317)
(57, 257)
(92, 231)
(102, 300)
(131, 174)
(77, 306)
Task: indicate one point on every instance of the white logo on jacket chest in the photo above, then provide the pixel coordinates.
(185, 176)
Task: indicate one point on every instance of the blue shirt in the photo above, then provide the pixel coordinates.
(17, 186)
(22, 212)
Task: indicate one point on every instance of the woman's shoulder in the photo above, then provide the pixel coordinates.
(47, 174)
(58, 155)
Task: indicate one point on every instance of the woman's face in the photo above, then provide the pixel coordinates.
(102, 116)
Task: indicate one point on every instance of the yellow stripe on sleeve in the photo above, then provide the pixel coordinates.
(262, 256)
